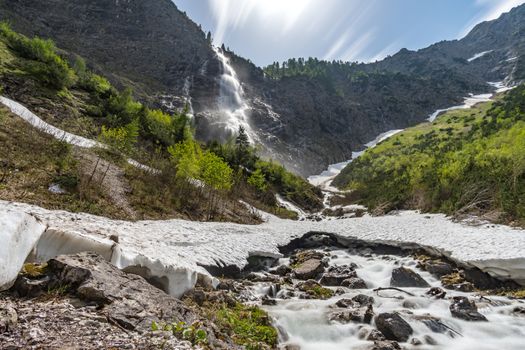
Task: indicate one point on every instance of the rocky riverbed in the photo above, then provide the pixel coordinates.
(319, 295)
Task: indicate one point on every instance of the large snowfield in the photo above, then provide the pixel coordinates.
(177, 249)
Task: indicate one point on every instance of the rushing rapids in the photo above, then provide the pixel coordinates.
(430, 318)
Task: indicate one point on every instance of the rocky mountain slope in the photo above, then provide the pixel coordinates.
(305, 121)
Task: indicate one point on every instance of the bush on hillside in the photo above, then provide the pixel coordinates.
(48, 66)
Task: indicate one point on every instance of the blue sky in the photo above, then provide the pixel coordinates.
(352, 30)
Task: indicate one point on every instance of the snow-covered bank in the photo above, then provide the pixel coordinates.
(176, 250)
(19, 232)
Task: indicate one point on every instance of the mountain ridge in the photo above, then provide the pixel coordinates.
(303, 122)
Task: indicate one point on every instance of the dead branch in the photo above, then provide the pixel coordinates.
(392, 288)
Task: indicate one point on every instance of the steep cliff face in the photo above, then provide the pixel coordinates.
(305, 122)
(149, 45)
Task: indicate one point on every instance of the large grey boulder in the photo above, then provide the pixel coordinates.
(405, 277)
(393, 326)
(311, 268)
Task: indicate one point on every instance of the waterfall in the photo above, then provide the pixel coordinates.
(187, 96)
(233, 108)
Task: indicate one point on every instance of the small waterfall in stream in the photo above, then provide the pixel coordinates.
(232, 107)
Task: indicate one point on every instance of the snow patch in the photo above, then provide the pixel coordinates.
(324, 179)
(59, 134)
(301, 215)
(479, 55)
(38, 123)
(19, 232)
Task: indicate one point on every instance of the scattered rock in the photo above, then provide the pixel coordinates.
(8, 318)
(309, 269)
(292, 347)
(385, 345)
(429, 340)
(314, 290)
(375, 335)
(436, 267)
(337, 274)
(363, 300)
(437, 293)
(409, 304)
(354, 283)
(268, 301)
(432, 323)
(361, 315)
(393, 326)
(281, 270)
(30, 288)
(465, 309)
(466, 287)
(405, 277)
(416, 342)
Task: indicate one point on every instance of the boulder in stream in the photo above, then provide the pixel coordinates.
(465, 309)
(354, 283)
(405, 277)
(336, 275)
(393, 326)
(311, 268)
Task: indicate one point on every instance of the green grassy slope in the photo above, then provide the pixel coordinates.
(466, 161)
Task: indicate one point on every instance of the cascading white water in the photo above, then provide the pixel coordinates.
(232, 106)
(306, 322)
(187, 97)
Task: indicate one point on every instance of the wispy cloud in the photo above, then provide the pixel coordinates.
(356, 49)
(388, 50)
(276, 15)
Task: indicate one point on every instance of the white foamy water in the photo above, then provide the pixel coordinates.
(233, 108)
(307, 325)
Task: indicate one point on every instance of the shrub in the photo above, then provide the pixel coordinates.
(121, 139)
(48, 67)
